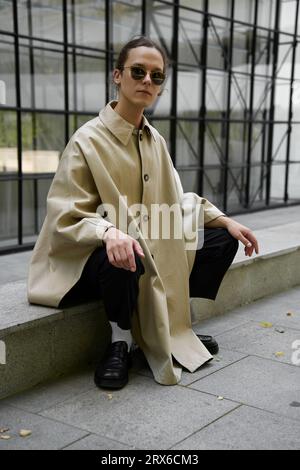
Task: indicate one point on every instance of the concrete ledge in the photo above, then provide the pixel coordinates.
(44, 343)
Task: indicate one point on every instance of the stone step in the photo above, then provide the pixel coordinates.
(39, 343)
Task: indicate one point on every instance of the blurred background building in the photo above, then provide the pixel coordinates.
(230, 111)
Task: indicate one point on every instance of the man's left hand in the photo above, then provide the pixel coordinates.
(245, 235)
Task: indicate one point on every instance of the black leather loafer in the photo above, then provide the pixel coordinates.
(210, 343)
(112, 370)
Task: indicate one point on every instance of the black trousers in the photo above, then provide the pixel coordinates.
(119, 288)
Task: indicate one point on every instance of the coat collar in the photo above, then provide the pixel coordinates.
(118, 126)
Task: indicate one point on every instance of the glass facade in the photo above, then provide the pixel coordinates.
(230, 111)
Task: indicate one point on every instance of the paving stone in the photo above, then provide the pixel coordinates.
(46, 433)
(246, 428)
(254, 339)
(94, 442)
(258, 382)
(144, 414)
(52, 393)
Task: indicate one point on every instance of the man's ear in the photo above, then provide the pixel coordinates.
(117, 76)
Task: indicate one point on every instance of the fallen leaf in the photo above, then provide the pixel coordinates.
(289, 314)
(5, 437)
(220, 398)
(279, 330)
(3, 430)
(266, 324)
(279, 353)
(25, 432)
(295, 404)
(109, 396)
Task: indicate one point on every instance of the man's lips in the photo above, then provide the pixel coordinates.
(145, 91)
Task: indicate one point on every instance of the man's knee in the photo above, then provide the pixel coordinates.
(231, 244)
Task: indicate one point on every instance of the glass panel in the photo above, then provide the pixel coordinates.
(77, 120)
(242, 44)
(34, 205)
(7, 71)
(216, 93)
(287, 15)
(285, 57)
(213, 186)
(258, 142)
(282, 100)
(8, 212)
(6, 15)
(295, 144)
(192, 4)
(161, 23)
(8, 142)
(257, 186)
(188, 104)
(214, 143)
(244, 10)
(279, 142)
(261, 97)
(190, 37)
(220, 7)
(294, 178)
(296, 101)
(43, 142)
(86, 23)
(218, 42)
(238, 143)
(86, 82)
(49, 79)
(189, 180)
(47, 20)
(266, 13)
(26, 77)
(297, 61)
(126, 21)
(235, 188)
(163, 128)
(187, 145)
(240, 96)
(23, 13)
(264, 44)
(277, 183)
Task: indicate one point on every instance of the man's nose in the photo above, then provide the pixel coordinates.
(147, 78)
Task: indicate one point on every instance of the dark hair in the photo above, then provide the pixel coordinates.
(139, 42)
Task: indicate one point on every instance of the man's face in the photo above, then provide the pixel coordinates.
(143, 92)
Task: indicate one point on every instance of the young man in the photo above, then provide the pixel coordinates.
(120, 161)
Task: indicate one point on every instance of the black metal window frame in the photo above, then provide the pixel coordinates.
(203, 119)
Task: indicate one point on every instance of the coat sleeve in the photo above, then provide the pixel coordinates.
(73, 201)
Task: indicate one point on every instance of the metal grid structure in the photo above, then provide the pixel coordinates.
(229, 111)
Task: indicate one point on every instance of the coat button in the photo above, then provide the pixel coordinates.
(146, 218)
(146, 177)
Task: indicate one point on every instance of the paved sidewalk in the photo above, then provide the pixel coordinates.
(248, 397)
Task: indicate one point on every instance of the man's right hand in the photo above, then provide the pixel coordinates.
(120, 249)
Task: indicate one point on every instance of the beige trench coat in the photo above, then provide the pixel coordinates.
(103, 160)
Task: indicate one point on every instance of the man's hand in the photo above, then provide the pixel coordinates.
(120, 249)
(245, 235)
(238, 231)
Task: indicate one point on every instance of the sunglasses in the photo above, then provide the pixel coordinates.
(138, 73)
